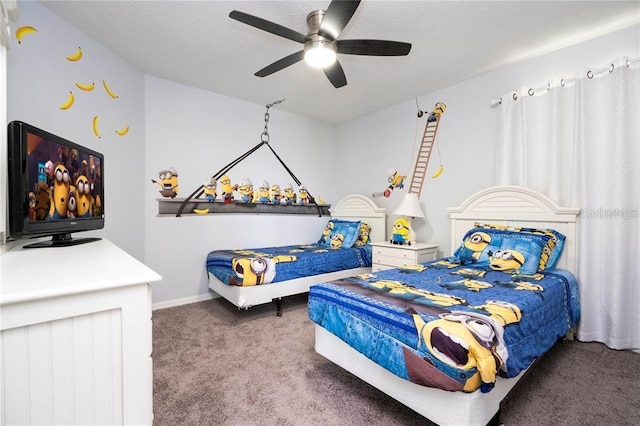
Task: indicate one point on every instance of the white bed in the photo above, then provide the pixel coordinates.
(511, 205)
(351, 207)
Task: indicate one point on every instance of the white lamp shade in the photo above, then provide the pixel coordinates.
(410, 206)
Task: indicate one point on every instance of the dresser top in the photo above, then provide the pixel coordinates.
(39, 273)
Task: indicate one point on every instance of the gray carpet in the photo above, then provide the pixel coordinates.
(215, 365)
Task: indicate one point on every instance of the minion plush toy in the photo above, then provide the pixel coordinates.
(227, 189)
(400, 233)
(245, 188)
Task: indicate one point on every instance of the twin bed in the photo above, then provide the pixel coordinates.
(388, 340)
(451, 338)
(313, 263)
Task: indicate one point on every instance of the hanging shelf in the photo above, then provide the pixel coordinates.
(194, 205)
(171, 207)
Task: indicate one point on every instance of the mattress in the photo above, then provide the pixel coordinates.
(449, 326)
(268, 265)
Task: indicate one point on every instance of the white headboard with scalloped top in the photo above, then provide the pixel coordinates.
(517, 206)
(360, 207)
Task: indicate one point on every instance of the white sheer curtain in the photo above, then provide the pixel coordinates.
(580, 145)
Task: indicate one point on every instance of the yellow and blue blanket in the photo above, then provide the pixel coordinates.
(266, 265)
(446, 325)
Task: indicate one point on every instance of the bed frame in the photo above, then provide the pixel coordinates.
(351, 207)
(512, 205)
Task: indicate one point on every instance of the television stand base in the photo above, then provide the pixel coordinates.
(62, 240)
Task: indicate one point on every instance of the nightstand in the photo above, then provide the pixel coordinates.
(387, 255)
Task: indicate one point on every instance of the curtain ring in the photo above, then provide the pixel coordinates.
(611, 68)
(562, 82)
(515, 96)
(589, 75)
(531, 92)
(627, 63)
(548, 86)
(500, 101)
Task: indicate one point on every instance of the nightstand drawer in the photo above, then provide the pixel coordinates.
(394, 262)
(390, 252)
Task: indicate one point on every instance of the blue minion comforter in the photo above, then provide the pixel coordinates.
(446, 325)
(274, 264)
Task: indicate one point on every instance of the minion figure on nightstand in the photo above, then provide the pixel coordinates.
(210, 190)
(168, 182)
(400, 233)
(245, 188)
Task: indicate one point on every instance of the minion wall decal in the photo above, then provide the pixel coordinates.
(168, 182)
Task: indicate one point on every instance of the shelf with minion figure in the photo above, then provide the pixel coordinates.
(245, 189)
(303, 195)
(262, 194)
(275, 194)
(289, 195)
(265, 199)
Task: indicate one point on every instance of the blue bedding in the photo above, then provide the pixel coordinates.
(274, 264)
(446, 325)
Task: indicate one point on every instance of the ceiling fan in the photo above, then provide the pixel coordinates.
(321, 43)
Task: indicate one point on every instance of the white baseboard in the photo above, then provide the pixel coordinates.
(183, 301)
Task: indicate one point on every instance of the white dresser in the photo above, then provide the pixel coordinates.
(75, 342)
(387, 255)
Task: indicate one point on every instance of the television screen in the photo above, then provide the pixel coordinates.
(55, 186)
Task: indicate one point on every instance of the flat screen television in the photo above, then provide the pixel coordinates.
(56, 187)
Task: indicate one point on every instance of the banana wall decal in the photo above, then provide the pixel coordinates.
(76, 56)
(67, 104)
(439, 172)
(96, 129)
(108, 90)
(86, 87)
(22, 31)
(124, 131)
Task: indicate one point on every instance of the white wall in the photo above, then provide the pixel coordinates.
(39, 78)
(197, 133)
(467, 132)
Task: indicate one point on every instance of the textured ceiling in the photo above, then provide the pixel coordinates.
(197, 44)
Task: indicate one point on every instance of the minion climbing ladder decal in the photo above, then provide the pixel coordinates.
(429, 139)
(426, 147)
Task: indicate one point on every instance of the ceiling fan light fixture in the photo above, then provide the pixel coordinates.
(319, 53)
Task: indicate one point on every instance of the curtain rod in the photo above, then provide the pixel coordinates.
(561, 82)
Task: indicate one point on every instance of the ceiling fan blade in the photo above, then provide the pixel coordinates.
(268, 26)
(281, 64)
(337, 17)
(335, 74)
(373, 47)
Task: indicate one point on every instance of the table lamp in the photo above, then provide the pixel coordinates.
(408, 208)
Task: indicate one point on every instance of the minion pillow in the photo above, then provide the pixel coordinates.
(363, 235)
(340, 233)
(501, 249)
(552, 249)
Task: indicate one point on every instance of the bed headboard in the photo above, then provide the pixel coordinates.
(360, 207)
(517, 206)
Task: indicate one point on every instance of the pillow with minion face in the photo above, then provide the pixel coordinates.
(552, 249)
(340, 233)
(501, 250)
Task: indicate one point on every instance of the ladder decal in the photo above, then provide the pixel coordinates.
(424, 154)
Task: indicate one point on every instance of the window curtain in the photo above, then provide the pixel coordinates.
(579, 143)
